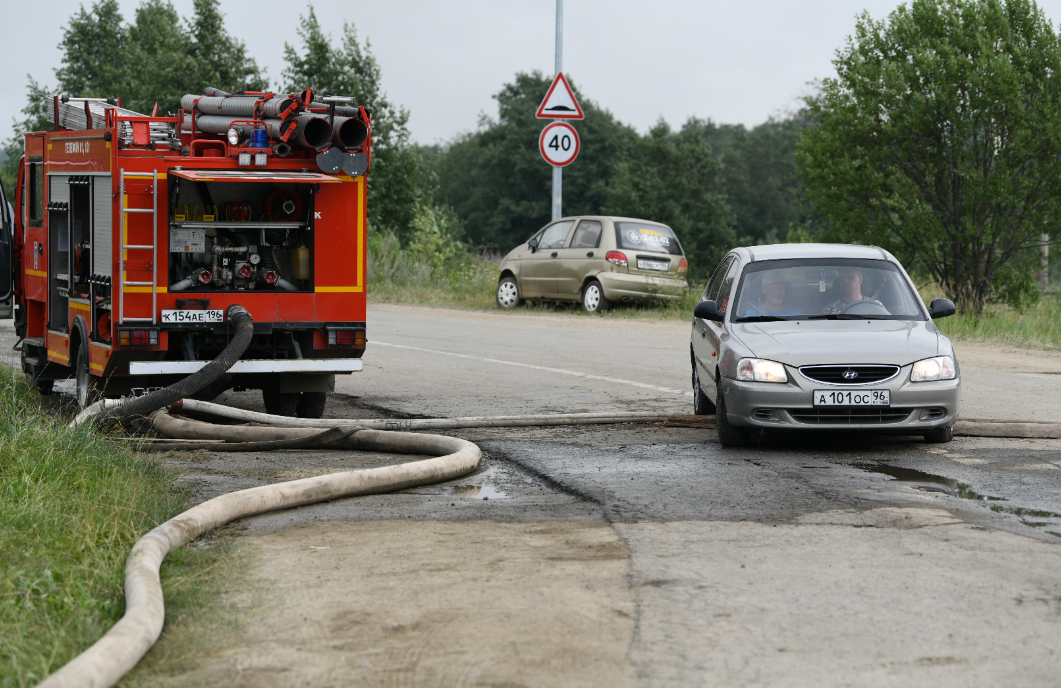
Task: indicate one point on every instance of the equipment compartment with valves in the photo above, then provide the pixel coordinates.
(240, 236)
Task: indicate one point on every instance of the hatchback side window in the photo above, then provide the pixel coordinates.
(588, 234)
(555, 234)
(711, 292)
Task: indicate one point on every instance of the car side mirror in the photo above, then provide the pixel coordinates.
(708, 310)
(941, 308)
(533, 244)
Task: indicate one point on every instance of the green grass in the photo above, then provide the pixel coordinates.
(72, 503)
(1037, 326)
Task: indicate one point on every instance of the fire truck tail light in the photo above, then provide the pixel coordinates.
(244, 159)
(261, 159)
(138, 337)
(616, 258)
(346, 337)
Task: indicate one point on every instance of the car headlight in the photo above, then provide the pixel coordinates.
(938, 368)
(758, 370)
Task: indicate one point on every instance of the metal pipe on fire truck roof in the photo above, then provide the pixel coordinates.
(349, 133)
(242, 106)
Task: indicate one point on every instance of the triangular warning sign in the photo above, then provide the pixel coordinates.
(560, 103)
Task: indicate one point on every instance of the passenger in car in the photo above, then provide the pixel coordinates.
(774, 304)
(849, 284)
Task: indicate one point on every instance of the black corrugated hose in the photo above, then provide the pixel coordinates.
(239, 320)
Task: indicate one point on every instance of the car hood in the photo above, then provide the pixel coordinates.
(815, 342)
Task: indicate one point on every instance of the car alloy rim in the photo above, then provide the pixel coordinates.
(506, 294)
(592, 298)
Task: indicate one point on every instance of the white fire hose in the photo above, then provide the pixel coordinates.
(112, 656)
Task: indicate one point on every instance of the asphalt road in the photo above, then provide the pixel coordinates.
(638, 555)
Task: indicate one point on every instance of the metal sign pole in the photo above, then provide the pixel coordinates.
(558, 172)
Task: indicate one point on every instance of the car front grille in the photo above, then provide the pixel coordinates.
(828, 415)
(855, 374)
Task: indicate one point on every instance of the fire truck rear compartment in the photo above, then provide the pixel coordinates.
(240, 236)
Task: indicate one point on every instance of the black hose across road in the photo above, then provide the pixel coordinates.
(239, 319)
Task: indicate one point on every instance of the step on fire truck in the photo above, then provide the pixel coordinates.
(134, 233)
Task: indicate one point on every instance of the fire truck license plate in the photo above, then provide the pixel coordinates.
(197, 316)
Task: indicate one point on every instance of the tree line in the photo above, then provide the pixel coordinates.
(938, 138)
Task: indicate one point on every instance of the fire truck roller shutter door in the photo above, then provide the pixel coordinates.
(102, 231)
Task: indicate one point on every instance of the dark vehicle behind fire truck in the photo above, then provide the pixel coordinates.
(134, 233)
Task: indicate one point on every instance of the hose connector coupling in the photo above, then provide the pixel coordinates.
(237, 311)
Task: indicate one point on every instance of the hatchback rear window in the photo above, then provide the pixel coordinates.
(643, 236)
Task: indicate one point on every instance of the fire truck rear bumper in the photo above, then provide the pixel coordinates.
(287, 365)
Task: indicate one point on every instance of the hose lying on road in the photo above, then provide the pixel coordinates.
(422, 423)
(105, 662)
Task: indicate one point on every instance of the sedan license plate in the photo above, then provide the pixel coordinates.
(652, 265)
(865, 397)
(210, 315)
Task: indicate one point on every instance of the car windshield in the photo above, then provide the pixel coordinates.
(825, 289)
(645, 236)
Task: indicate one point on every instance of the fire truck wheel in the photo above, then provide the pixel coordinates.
(311, 405)
(279, 403)
(87, 391)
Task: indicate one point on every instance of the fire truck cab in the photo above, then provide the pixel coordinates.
(134, 233)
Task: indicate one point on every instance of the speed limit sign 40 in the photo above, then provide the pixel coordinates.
(559, 144)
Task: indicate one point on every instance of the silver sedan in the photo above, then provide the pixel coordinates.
(821, 336)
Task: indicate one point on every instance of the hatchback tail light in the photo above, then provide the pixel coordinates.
(683, 266)
(616, 258)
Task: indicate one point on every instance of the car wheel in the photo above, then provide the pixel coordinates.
(940, 435)
(728, 435)
(508, 293)
(87, 390)
(279, 403)
(593, 300)
(702, 405)
(311, 405)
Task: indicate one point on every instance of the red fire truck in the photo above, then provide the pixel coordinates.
(134, 233)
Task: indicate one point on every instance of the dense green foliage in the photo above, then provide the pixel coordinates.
(940, 139)
(72, 503)
(495, 177)
(716, 185)
(673, 178)
(398, 177)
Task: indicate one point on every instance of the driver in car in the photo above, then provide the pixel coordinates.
(774, 291)
(849, 284)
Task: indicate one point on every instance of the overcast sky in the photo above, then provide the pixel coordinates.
(732, 62)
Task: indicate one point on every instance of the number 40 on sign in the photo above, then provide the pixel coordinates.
(559, 144)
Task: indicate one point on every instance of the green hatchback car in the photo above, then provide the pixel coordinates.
(597, 260)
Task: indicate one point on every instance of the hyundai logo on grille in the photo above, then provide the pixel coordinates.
(850, 374)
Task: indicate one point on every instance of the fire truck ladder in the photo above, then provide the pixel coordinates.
(153, 246)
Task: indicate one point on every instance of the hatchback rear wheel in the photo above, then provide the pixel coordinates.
(593, 300)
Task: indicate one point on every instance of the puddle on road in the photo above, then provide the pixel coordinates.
(929, 482)
(479, 492)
